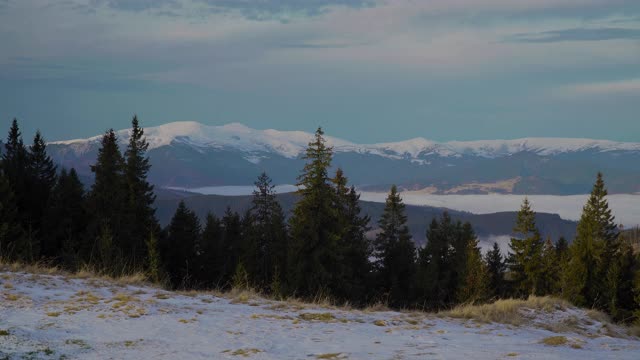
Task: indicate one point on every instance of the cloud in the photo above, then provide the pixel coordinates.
(577, 34)
(621, 87)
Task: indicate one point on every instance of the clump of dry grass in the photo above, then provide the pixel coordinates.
(506, 311)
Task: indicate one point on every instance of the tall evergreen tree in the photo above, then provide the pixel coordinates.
(549, 270)
(314, 235)
(107, 199)
(526, 253)
(474, 282)
(267, 232)
(212, 253)
(65, 221)
(354, 247)
(232, 237)
(179, 250)
(140, 197)
(395, 253)
(11, 232)
(43, 179)
(17, 171)
(592, 252)
(496, 267)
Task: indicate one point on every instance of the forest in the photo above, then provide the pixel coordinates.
(320, 251)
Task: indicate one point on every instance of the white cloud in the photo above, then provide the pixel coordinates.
(621, 87)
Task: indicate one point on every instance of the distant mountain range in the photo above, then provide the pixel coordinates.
(190, 155)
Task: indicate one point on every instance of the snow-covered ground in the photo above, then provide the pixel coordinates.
(56, 317)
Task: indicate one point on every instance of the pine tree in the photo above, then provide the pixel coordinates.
(107, 198)
(395, 253)
(140, 197)
(593, 251)
(17, 171)
(526, 253)
(266, 232)
(496, 267)
(442, 262)
(354, 247)
(65, 221)
(550, 270)
(43, 179)
(312, 254)
(211, 253)
(474, 284)
(231, 246)
(179, 252)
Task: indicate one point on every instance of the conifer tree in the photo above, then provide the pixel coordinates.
(526, 253)
(592, 252)
(474, 284)
(211, 254)
(179, 251)
(549, 270)
(153, 258)
(267, 232)
(496, 267)
(354, 247)
(107, 198)
(314, 235)
(17, 171)
(43, 179)
(140, 197)
(395, 253)
(231, 246)
(65, 222)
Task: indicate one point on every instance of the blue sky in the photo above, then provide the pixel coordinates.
(366, 70)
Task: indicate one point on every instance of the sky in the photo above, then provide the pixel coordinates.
(366, 70)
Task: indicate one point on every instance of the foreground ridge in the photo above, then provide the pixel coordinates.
(49, 316)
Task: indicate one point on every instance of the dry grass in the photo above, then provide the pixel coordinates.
(506, 311)
(331, 356)
(555, 340)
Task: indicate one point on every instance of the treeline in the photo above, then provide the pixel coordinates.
(322, 250)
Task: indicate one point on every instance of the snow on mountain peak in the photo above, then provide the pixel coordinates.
(290, 144)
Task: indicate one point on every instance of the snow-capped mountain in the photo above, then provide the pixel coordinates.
(192, 154)
(291, 144)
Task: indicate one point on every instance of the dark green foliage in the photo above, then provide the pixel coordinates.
(526, 253)
(43, 178)
(211, 253)
(550, 268)
(178, 252)
(154, 271)
(593, 252)
(354, 274)
(230, 247)
(107, 200)
(496, 268)
(66, 221)
(442, 262)
(17, 172)
(265, 235)
(474, 282)
(313, 251)
(395, 253)
(140, 197)
(11, 232)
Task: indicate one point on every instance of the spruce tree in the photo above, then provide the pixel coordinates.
(354, 248)
(11, 231)
(395, 253)
(66, 220)
(313, 257)
(549, 270)
(211, 253)
(496, 267)
(17, 171)
(107, 198)
(43, 179)
(593, 252)
(267, 233)
(140, 197)
(474, 282)
(179, 252)
(524, 260)
(231, 246)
